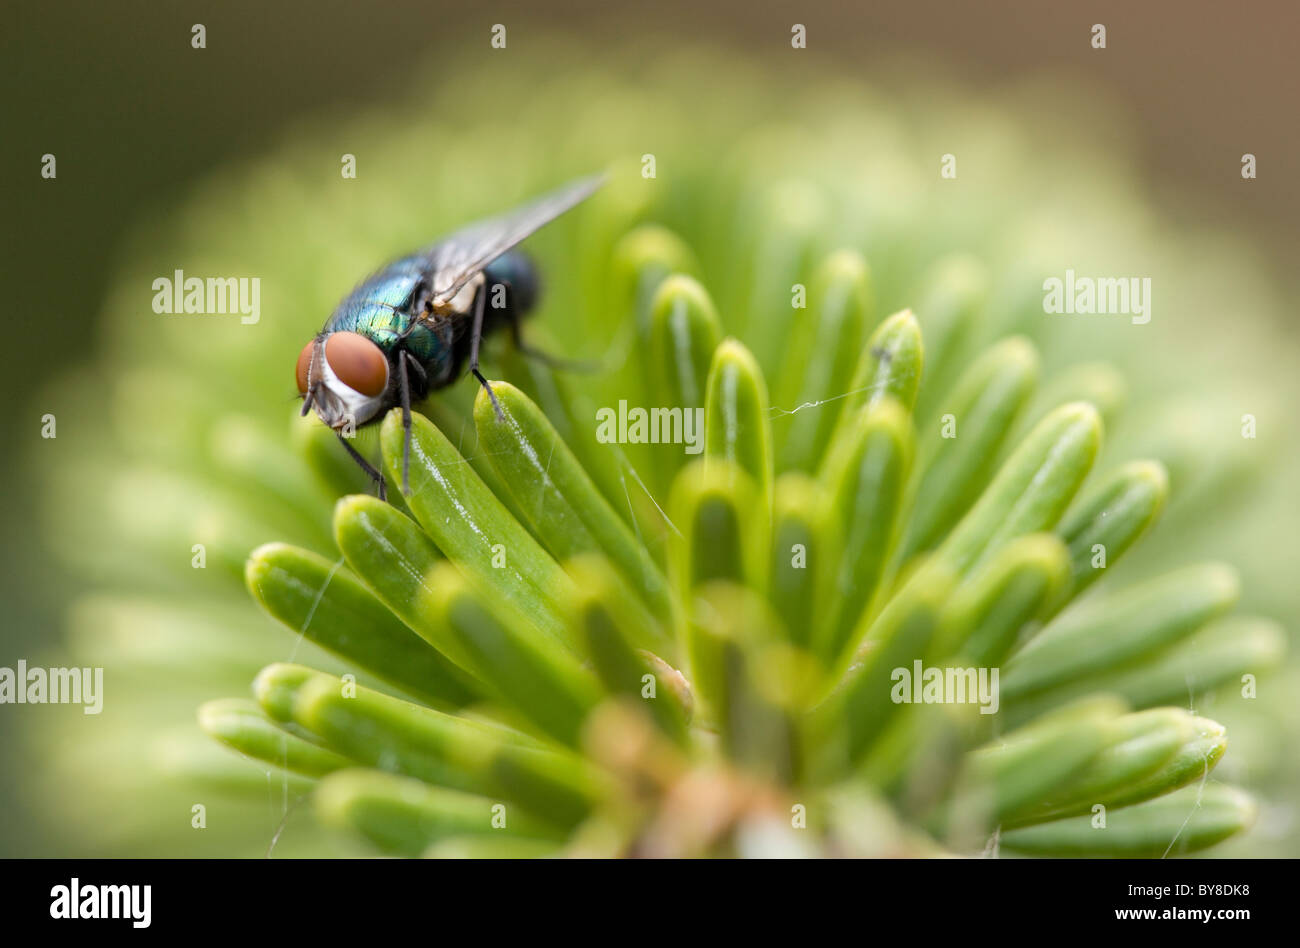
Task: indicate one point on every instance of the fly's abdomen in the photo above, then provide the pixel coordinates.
(515, 270)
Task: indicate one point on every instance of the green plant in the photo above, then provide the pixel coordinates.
(500, 629)
(550, 694)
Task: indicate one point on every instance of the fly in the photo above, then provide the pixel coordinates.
(410, 328)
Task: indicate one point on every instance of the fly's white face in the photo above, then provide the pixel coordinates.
(345, 376)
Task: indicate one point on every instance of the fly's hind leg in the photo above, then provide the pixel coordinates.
(555, 362)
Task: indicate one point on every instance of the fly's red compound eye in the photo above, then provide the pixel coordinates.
(358, 362)
(304, 365)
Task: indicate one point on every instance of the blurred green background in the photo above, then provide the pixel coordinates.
(135, 116)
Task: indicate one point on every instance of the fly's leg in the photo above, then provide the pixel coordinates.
(475, 339)
(408, 366)
(418, 371)
(405, 387)
(371, 471)
(555, 362)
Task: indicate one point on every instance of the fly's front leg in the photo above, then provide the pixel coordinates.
(366, 466)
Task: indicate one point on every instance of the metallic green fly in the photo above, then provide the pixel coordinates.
(409, 329)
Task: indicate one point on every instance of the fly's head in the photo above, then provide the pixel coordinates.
(344, 377)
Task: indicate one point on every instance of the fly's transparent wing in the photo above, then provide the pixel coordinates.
(457, 258)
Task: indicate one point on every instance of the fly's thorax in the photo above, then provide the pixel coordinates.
(345, 377)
